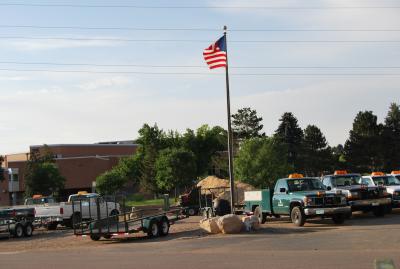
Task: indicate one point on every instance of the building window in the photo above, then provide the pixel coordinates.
(15, 177)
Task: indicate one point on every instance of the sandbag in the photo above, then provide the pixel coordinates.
(210, 225)
(230, 224)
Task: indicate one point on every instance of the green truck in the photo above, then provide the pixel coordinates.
(300, 198)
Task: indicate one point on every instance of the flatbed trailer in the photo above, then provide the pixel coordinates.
(153, 222)
(17, 222)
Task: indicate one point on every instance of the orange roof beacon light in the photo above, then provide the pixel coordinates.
(37, 196)
(82, 192)
(377, 174)
(295, 175)
(397, 172)
(340, 172)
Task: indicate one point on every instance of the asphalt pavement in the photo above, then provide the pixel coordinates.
(319, 244)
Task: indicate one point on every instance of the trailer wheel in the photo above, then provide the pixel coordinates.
(297, 216)
(191, 212)
(28, 230)
(18, 230)
(153, 230)
(95, 237)
(164, 227)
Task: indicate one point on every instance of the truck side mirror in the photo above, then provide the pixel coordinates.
(282, 190)
(329, 188)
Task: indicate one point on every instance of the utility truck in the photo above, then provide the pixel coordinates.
(299, 197)
(360, 197)
(390, 182)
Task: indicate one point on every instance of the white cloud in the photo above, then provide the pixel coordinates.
(105, 83)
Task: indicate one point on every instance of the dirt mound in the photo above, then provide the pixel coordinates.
(220, 188)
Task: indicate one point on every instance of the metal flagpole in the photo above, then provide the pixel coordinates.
(230, 142)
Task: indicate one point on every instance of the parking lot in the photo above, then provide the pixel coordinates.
(319, 244)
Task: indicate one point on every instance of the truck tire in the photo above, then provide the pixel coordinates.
(18, 230)
(379, 211)
(338, 218)
(75, 220)
(95, 237)
(52, 226)
(153, 230)
(262, 218)
(163, 227)
(28, 229)
(297, 216)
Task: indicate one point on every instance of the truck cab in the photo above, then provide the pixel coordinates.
(391, 183)
(38, 199)
(300, 198)
(360, 197)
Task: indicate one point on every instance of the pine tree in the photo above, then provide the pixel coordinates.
(363, 151)
(290, 134)
(316, 155)
(391, 138)
(246, 124)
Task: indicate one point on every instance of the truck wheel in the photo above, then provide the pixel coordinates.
(18, 230)
(153, 230)
(76, 219)
(258, 213)
(95, 237)
(164, 227)
(28, 229)
(52, 226)
(379, 211)
(338, 219)
(389, 209)
(297, 216)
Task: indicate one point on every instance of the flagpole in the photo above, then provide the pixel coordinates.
(230, 142)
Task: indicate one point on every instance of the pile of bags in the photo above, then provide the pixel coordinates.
(230, 224)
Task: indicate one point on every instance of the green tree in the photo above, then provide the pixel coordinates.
(110, 182)
(261, 161)
(391, 138)
(316, 154)
(291, 135)
(175, 167)
(206, 144)
(42, 177)
(363, 148)
(151, 140)
(339, 158)
(246, 124)
(127, 170)
(1, 168)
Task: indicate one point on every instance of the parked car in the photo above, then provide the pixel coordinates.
(299, 197)
(391, 183)
(360, 197)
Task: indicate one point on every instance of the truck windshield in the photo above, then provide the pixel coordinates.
(341, 181)
(305, 184)
(40, 201)
(387, 181)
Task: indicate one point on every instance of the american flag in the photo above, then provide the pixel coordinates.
(215, 55)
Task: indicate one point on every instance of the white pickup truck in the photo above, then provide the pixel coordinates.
(50, 214)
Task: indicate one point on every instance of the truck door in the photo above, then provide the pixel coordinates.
(280, 199)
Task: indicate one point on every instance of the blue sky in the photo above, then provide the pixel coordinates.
(48, 107)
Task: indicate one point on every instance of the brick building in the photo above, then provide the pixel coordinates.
(80, 164)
